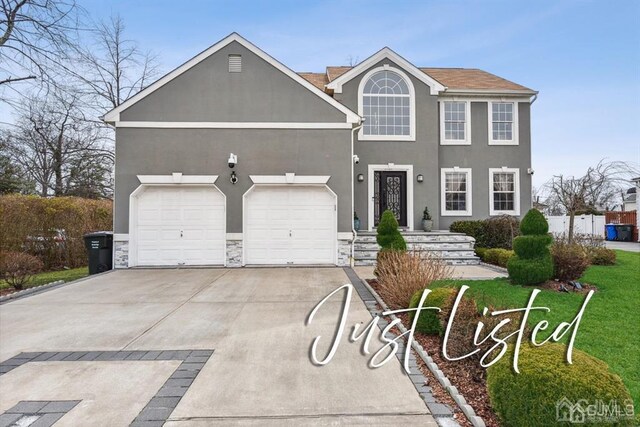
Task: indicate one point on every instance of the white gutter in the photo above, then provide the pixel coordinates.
(353, 203)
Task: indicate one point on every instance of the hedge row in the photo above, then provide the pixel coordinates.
(495, 232)
(51, 228)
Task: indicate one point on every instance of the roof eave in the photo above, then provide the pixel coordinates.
(490, 92)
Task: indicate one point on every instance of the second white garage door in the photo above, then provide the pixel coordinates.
(180, 225)
(290, 225)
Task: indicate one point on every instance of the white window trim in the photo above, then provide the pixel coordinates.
(443, 199)
(412, 107)
(516, 195)
(390, 167)
(514, 140)
(467, 124)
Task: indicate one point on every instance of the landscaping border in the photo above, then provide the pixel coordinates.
(443, 420)
(46, 287)
(157, 411)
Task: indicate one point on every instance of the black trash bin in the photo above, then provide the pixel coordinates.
(624, 232)
(100, 249)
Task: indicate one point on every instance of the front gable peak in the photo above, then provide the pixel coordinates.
(386, 53)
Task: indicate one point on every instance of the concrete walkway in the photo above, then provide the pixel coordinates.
(469, 272)
(259, 374)
(624, 246)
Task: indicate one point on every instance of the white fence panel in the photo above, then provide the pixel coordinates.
(583, 224)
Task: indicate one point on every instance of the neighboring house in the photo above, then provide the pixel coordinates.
(455, 140)
(629, 203)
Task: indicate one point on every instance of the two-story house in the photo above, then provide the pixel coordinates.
(234, 159)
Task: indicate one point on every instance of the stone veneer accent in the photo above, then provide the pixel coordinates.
(120, 254)
(344, 253)
(234, 253)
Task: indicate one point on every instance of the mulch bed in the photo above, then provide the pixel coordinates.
(553, 285)
(7, 291)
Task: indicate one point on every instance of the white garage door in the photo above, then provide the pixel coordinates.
(290, 225)
(180, 226)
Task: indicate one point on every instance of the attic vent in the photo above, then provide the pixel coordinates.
(235, 63)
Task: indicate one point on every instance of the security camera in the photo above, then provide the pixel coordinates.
(530, 171)
(356, 159)
(233, 159)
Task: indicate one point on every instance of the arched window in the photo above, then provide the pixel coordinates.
(387, 105)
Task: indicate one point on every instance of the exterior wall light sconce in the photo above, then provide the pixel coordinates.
(233, 160)
(420, 178)
(360, 177)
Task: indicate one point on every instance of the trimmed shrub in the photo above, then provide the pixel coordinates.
(475, 229)
(481, 252)
(530, 397)
(499, 257)
(494, 232)
(51, 228)
(499, 231)
(534, 223)
(18, 267)
(388, 236)
(602, 256)
(429, 321)
(530, 271)
(532, 263)
(532, 245)
(569, 261)
(401, 274)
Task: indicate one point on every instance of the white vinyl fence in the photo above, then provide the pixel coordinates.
(583, 224)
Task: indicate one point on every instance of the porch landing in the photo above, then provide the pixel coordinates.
(454, 248)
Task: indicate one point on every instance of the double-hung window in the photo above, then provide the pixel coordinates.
(504, 194)
(454, 123)
(503, 123)
(455, 192)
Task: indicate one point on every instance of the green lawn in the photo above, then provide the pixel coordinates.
(52, 276)
(610, 328)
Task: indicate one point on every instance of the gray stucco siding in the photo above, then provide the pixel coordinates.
(421, 153)
(205, 152)
(480, 157)
(208, 92)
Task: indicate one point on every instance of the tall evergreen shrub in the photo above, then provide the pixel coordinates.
(389, 236)
(532, 263)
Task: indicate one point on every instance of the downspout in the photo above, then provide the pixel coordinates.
(353, 202)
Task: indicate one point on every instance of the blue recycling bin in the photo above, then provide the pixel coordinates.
(612, 233)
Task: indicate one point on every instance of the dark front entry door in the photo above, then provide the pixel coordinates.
(390, 192)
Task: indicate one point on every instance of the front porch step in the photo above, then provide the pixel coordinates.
(453, 248)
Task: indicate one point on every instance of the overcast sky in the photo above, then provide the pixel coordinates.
(583, 56)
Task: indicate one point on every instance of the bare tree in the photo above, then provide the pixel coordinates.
(596, 189)
(62, 151)
(114, 67)
(36, 37)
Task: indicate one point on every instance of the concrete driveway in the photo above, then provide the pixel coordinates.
(126, 330)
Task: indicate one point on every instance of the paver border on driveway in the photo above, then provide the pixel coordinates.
(48, 412)
(155, 412)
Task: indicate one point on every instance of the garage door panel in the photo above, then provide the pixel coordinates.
(181, 226)
(286, 225)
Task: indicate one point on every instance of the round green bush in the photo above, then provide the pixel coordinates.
(429, 320)
(534, 223)
(530, 397)
(531, 246)
(530, 271)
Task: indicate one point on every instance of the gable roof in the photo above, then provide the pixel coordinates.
(316, 79)
(385, 53)
(114, 115)
(456, 79)
(472, 79)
